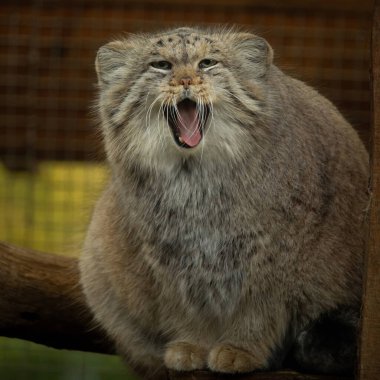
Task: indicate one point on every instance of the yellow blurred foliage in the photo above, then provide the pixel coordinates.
(49, 209)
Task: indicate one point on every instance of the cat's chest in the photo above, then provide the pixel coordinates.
(197, 233)
(188, 209)
(208, 268)
(206, 281)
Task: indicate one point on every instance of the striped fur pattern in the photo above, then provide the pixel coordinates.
(221, 255)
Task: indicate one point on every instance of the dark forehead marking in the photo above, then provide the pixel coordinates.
(175, 40)
(155, 53)
(160, 43)
(185, 56)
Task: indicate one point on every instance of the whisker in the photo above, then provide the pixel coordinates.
(148, 115)
(202, 121)
(180, 119)
(178, 115)
(161, 125)
(211, 115)
(201, 111)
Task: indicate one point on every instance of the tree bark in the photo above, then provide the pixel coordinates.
(41, 301)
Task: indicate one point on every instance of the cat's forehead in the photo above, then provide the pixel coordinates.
(181, 36)
(185, 43)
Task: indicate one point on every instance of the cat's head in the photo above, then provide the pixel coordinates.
(183, 92)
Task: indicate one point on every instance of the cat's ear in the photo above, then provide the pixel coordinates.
(255, 50)
(109, 59)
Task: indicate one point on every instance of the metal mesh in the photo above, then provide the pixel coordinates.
(48, 142)
(50, 157)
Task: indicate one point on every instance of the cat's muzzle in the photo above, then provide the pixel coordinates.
(187, 120)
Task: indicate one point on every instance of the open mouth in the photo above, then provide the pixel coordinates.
(187, 122)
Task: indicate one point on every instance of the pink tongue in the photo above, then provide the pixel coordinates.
(188, 123)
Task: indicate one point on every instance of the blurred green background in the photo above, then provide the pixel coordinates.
(20, 360)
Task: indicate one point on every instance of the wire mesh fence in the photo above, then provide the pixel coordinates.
(47, 75)
(51, 166)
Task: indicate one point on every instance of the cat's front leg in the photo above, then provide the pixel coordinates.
(222, 357)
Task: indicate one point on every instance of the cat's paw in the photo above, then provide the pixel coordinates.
(183, 356)
(229, 359)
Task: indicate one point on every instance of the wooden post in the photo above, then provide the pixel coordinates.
(369, 364)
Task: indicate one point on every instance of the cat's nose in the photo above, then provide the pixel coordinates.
(186, 82)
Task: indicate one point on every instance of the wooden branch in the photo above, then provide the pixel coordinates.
(41, 301)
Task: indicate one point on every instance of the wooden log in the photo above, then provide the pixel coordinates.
(41, 301)
(369, 368)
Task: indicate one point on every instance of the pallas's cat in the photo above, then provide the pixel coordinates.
(230, 235)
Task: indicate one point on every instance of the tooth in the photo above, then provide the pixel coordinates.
(180, 139)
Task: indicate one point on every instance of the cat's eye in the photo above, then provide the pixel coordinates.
(162, 65)
(206, 63)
